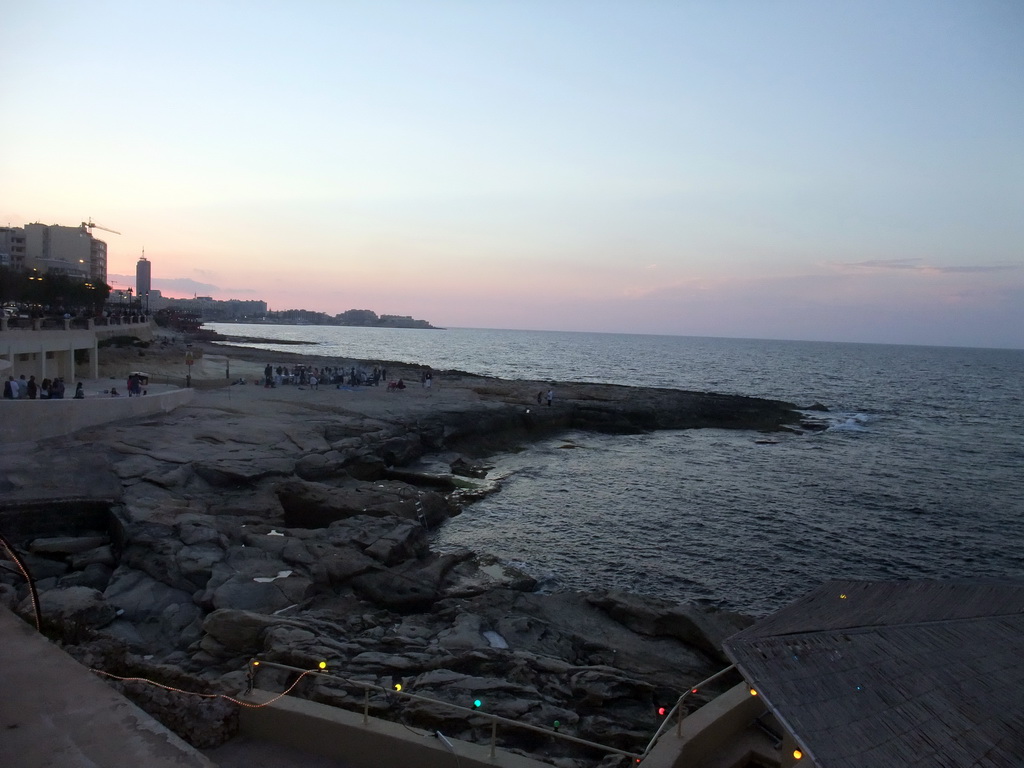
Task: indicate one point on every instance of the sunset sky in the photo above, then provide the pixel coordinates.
(795, 170)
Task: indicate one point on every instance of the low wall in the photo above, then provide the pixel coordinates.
(22, 420)
(342, 735)
(722, 734)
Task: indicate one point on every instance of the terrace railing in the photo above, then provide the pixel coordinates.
(495, 720)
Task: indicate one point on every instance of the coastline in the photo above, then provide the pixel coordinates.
(194, 515)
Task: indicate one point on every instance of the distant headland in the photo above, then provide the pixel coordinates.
(189, 315)
(353, 317)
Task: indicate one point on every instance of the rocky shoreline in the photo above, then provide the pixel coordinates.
(293, 525)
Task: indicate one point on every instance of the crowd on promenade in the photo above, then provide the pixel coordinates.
(54, 389)
(29, 389)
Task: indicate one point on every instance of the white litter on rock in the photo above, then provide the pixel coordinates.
(274, 533)
(268, 579)
(495, 640)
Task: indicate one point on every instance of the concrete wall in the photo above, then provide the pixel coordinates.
(342, 735)
(722, 734)
(22, 420)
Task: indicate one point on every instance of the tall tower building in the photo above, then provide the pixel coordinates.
(143, 277)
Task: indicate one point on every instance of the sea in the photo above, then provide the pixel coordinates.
(918, 475)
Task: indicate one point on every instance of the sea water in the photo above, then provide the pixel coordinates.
(920, 473)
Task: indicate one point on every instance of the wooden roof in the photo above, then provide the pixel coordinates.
(884, 674)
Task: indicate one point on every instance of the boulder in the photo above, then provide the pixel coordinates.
(697, 627)
(100, 556)
(43, 567)
(464, 634)
(365, 465)
(320, 466)
(598, 686)
(397, 591)
(143, 599)
(241, 472)
(153, 547)
(406, 541)
(239, 631)
(401, 450)
(94, 575)
(66, 545)
(195, 564)
(175, 478)
(74, 607)
(197, 532)
(263, 594)
(335, 564)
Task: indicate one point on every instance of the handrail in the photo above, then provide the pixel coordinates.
(254, 664)
(679, 703)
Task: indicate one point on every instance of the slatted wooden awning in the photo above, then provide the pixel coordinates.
(886, 674)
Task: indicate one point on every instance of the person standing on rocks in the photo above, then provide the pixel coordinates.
(551, 396)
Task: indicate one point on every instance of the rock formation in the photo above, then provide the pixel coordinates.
(266, 523)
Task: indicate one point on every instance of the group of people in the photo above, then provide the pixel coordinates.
(134, 386)
(313, 377)
(29, 389)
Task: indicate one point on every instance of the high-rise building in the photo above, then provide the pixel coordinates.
(143, 277)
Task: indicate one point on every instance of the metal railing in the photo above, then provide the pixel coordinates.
(676, 711)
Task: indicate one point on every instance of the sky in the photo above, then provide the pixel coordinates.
(836, 171)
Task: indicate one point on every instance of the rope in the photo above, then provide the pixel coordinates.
(232, 699)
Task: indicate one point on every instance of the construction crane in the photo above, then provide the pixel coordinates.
(89, 225)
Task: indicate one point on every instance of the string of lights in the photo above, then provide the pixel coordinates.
(224, 696)
(33, 595)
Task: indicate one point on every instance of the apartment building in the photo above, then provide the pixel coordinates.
(62, 250)
(12, 247)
